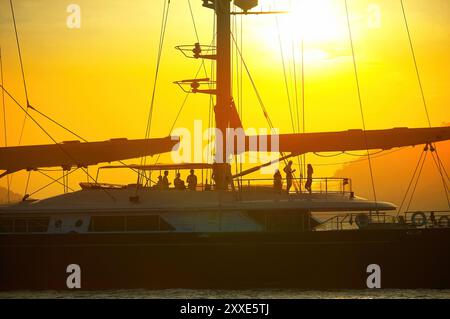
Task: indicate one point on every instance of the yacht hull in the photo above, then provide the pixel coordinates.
(310, 260)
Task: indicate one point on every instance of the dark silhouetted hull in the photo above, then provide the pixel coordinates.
(310, 260)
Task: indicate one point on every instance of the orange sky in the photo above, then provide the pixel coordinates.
(98, 79)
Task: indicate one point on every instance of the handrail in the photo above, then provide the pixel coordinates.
(426, 219)
(321, 185)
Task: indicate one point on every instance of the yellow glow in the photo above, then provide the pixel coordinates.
(321, 25)
(319, 20)
(311, 55)
(97, 80)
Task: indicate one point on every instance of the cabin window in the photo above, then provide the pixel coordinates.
(129, 223)
(23, 225)
(107, 223)
(38, 225)
(285, 222)
(147, 223)
(280, 221)
(20, 225)
(142, 223)
(6, 225)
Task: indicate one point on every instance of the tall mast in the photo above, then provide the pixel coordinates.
(223, 68)
(223, 87)
(222, 9)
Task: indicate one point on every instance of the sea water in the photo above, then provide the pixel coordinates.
(235, 294)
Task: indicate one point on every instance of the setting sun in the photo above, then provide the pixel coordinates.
(167, 147)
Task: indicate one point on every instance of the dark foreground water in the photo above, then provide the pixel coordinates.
(233, 294)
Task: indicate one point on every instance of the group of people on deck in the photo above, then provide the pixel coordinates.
(289, 171)
(179, 184)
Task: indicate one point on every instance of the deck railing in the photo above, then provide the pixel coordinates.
(321, 185)
(419, 219)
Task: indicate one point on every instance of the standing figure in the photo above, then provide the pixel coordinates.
(178, 182)
(277, 181)
(192, 181)
(289, 176)
(309, 179)
(165, 180)
(159, 184)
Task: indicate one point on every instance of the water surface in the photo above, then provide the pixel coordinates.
(235, 294)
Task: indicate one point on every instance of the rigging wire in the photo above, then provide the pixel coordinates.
(165, 17)
(288, 95)
(211, 106)
(347, 153)
(235, 73)
(239, 77)
(5, 131)
(441, 164)
(28, 106)
(196, 35)
(57, 180)
(441, 168)
(26, 186)
(241, 90)
(328, 156)
(52, 138)
(301, 164)
(360, 102)
(54, 180)
(162, 35)
(359, 155)
(303, 95)
(417, 182)
(297, 104)
(444, 182)
(193, 21)
(58, 124)
(183, 104)
(419, 163)
(21, 68)
(258, 95)
(202, 66)
(158, 64)
(424, 101)
(362, 158)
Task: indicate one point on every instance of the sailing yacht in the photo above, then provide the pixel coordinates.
(230, 232)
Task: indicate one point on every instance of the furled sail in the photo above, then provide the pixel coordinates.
(80, 154)
(350, 140)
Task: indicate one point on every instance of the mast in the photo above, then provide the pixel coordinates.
(223, 88)
(223, 68)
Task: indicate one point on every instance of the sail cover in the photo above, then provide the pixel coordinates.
(81, 154)
(350, 140)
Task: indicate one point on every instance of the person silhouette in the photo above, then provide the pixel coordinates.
(289, 176)
(165, 180)
(179, 183)
(309, 178)
(277, 181)
(192, 181)
(159, 184)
